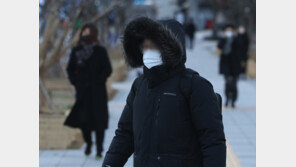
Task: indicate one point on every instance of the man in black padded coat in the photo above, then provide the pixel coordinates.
(171, 117)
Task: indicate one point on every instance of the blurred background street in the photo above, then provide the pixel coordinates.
(60, 23)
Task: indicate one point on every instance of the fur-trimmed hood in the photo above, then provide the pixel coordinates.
(168, 35)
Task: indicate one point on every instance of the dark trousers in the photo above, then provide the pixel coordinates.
(231, 89)
(191, 42)
(86, 133)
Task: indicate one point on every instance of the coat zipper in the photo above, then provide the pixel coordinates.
(157, 111)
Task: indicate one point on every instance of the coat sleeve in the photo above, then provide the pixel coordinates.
(221, 43)
(71, 68)
(122, 145)
(246, 47)
(105, 68)
(207, 120)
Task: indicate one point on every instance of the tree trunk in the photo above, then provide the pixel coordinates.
(45, 98)
(65, 74)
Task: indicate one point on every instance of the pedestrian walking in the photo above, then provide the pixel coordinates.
(190, 31)
(229, 65)
(88, 69)
(172, 117)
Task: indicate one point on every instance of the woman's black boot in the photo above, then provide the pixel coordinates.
(88, 149)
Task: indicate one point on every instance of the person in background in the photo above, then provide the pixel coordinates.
(241, 47)
(190, 31)
(88, 69)
(229, 64)
(172, 116)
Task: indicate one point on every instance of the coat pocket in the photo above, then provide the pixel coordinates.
(167, 112)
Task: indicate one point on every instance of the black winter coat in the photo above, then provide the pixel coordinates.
(89, 79)
(159, 124)
(241, 47)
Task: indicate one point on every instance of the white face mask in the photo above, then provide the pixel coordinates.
(228, 34)
(241, 30)
(151, 58)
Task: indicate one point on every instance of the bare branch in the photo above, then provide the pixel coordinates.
(45, 94)
(106, 12)
(71, 43)
(51, 27)
(56, 53)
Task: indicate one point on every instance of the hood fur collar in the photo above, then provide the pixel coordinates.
(168, 35)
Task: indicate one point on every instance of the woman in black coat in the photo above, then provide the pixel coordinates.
(225, 44)
(229, 65)
(88, 69)
(171, 117)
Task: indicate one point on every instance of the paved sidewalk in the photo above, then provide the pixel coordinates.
(239, 124)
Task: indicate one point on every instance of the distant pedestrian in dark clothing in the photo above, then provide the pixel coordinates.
(190, 31)
(241, 47)
(172, 117)
(229, 65)
(88, 69)
(225, 45)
